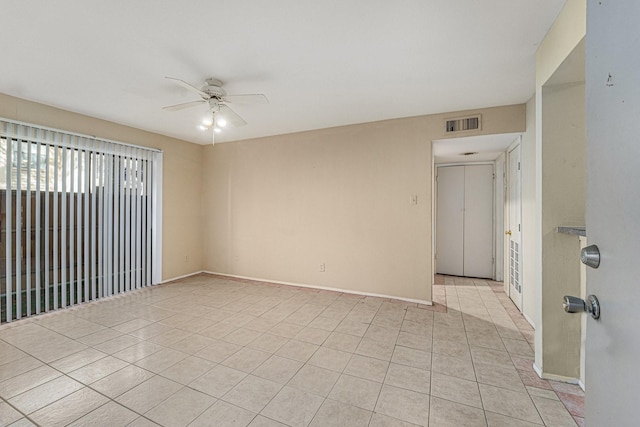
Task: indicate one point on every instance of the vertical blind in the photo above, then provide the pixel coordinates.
(79, 219)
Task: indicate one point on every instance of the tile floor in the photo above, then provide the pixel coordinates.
(210, 351)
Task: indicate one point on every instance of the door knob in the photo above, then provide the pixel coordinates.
(590, 256)
(578, 305)
(508, 233)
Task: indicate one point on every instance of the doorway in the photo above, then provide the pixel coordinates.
(514, 225)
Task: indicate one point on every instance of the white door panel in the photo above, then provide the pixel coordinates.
(478, 221)
(613, 211)
(449, 221)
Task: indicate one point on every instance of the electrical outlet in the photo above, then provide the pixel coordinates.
(186, 258)
(414, 199)
(322, 268)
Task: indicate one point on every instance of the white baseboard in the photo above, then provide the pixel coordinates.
(324, 288)
(182, 277)
(528, 319)
(553, 377)
(581, 384)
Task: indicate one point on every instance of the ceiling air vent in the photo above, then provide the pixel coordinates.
(463, 124)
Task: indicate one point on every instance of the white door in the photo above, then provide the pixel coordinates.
(478, 221)
(514, 233)
(464, 221)
(613, 211)
(449, 221)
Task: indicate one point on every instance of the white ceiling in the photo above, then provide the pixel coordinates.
(485, 147)
(320, 63)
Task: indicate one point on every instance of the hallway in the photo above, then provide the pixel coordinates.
(209, 350)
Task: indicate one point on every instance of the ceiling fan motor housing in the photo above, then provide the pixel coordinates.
(213, 88)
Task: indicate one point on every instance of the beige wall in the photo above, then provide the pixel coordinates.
(182, 173)
(553, 358)
(278, 207)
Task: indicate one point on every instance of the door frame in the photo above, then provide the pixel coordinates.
(518, 301)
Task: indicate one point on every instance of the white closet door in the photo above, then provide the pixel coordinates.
(478, 221)
(450, 221)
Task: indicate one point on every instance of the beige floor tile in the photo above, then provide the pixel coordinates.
(69, 408)
(510, 403)
(187, 370)
(498, 420)
(312, 335)
(455, 389)
(268, 343)
(343, 342)
(241, 336)
(356, 391)
(111, 414)
(9, 353)
(293, 407)
(192, 344)
(405, 405)
(451, 348)
(297, 350)
(99, 337)
(541, 392)
(418, 328)
(379, 420)
(376, 349)
(450, 334)
(117, 344)
(518, 347)
(488, 340)
(333, 413)
(261, 421)
(170, 337)
(23, 422)
(223, 414)
(45, 394)
(278, 369)
(499, 376)
(26, 381)
(261, 324)
(8, 414)
(367, 368)
(161, 360)
(218, 381)
(286, 330)
(409, 378)
(326, 323)
(444, 413)
(121, 381)
(418, 342)
(352, 328)
(491, 357)
(180, 408)
(553, 412)
(77, 360)
(328, 358)
(148, 394)
(411, 357)
(132, 325)
(252, 393)
(381, 333)
(138, 351)
(315, 380)
(246, 359)
(218, 351)
(97, 370)
(24, 363)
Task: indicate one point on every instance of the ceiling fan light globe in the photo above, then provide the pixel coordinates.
(221, 122)
(202, 127)
(207, 121)
(217, 129)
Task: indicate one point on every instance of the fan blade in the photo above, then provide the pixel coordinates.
(182, 83)
(232, 118)
(183, 105)
(254, 98)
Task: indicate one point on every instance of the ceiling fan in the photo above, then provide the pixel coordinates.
(220, 114)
